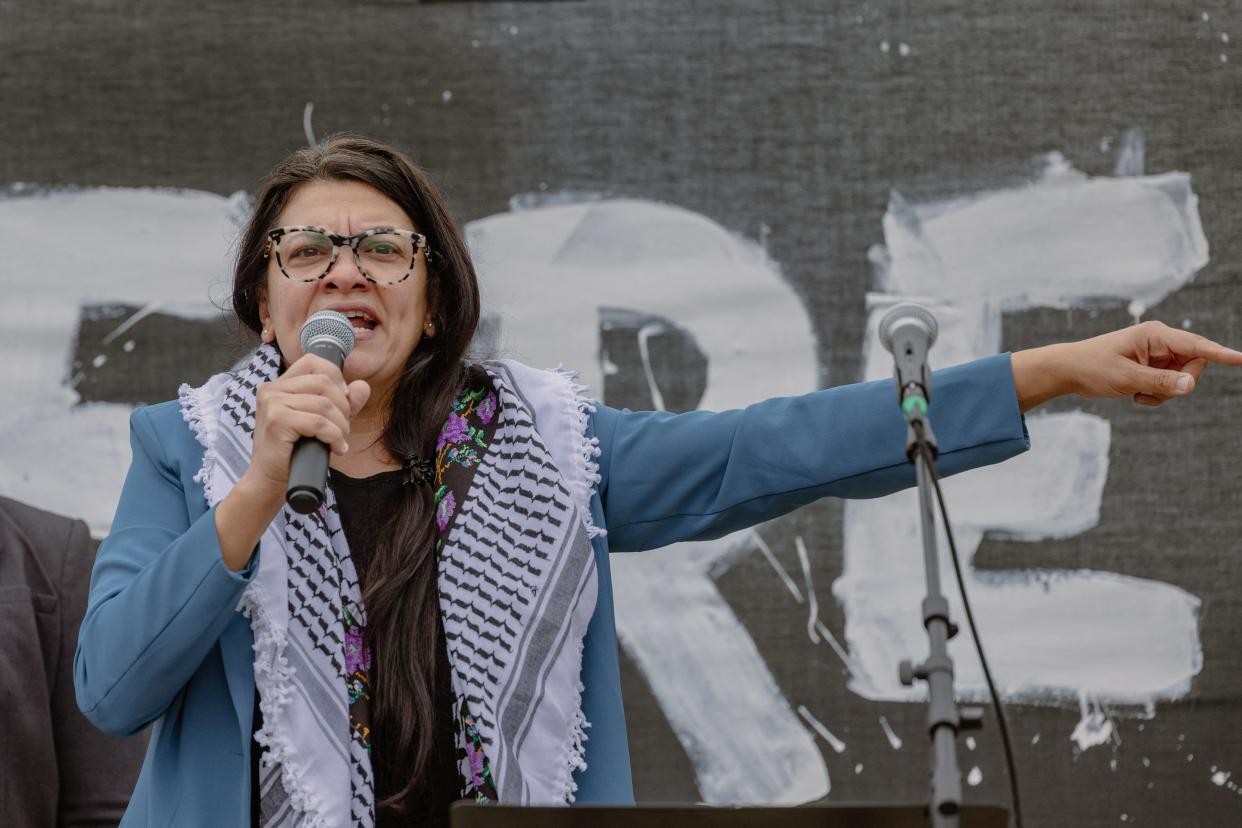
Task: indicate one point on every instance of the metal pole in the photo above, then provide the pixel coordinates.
(942, 713)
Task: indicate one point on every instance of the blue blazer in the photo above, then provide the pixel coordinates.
(162, 641)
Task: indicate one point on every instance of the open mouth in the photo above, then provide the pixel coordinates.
(361, 320)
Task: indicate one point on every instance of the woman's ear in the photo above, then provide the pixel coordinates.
(268, 334)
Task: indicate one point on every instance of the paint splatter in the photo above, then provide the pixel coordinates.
(858, 769)
(812, 619)
(884, 47)
(822, 631)
(1220, 777)
(970, 742)
(894, 740)
(1131, 155)
(903, 49)
(446, 95)
(974, 777)
(307, 128)
(826, 734)
(128, 347)
(644, 336)
(1095, 727)
(777, 566)
(99, 360)
(132, 320)
(827, 635)
(1035, 739)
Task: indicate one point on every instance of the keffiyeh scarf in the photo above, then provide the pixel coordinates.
(517, 588)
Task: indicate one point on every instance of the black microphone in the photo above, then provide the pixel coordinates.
(907, 332)
(326, 334)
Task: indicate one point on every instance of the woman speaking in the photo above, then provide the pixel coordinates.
(442, 627)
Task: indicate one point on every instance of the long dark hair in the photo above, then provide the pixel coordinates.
(400, 595)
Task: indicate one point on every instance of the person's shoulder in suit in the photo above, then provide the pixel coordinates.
(59, 769)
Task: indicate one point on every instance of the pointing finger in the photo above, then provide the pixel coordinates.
(1199, 347)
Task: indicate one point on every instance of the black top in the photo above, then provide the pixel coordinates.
(364, 505)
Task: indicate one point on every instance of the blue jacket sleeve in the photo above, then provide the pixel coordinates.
(160, 595)
(675, 477)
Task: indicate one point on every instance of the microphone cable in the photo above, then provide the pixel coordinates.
(974, 633)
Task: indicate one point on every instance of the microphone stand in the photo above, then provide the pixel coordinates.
(944, 719)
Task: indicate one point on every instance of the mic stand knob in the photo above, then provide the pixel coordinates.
(971, 718)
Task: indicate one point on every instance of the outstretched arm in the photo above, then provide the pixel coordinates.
(674, 477)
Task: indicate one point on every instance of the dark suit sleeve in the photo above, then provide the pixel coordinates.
(97, 771)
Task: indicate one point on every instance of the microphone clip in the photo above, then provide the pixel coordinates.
(918, 425)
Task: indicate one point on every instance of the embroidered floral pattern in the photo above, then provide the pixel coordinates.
(455, 430)
(460, 447)
(445, 504)
(479, 786)
(461, 443)
(487, 408)
(357, 651)
(357, 677)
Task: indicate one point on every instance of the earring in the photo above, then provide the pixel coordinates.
(429, 327)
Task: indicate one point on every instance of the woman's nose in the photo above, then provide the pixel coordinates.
(344, 274)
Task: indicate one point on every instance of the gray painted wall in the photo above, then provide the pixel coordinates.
(787, 124)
